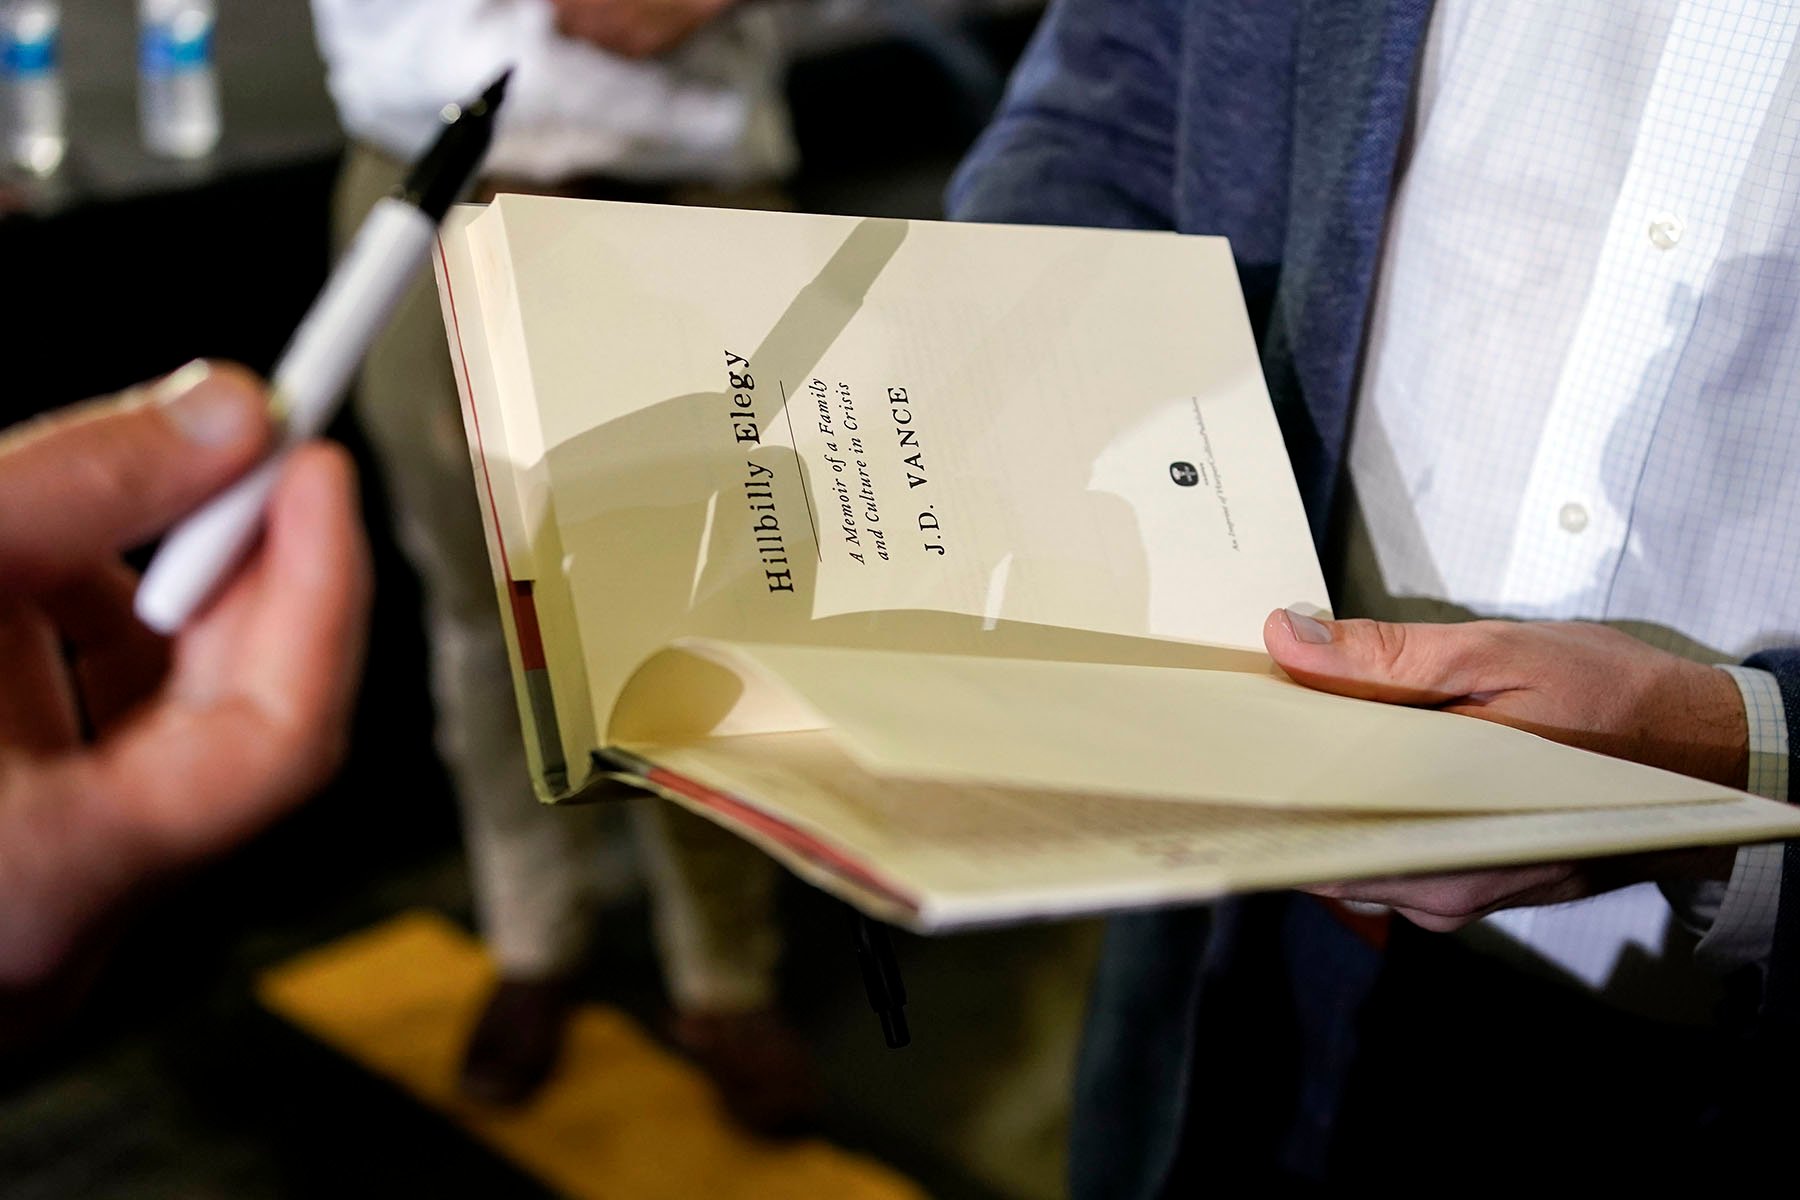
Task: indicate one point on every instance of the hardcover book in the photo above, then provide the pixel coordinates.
(933, 559)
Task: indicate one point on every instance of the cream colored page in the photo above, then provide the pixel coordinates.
(478, 382)
(836, 431)
(1212, 737)
(497, 492)
(982, 855)
(534, 543)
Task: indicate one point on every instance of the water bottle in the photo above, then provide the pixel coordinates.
(178, 90)
(31, 89)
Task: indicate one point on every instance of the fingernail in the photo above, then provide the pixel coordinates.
(1308, 629)
(1367, 908)
(203, 415)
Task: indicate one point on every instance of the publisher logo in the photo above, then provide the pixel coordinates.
(1184, 473)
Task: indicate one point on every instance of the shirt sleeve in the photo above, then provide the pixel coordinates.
(1737, 917)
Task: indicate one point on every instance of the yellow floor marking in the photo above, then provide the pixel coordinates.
(623, 1119)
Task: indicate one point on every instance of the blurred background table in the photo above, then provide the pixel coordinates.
(121, 264)
(272, 89)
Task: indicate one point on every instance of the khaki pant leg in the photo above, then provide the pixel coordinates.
(712, 894)
(532, 868)
(714, 910)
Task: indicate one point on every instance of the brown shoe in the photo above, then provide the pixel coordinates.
(761, 1067)
(516, 1041)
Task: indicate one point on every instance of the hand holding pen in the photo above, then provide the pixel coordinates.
(309, 382)
(125, 756)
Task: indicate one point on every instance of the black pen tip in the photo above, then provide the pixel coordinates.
(496, 90)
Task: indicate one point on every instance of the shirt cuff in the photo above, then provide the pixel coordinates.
(1740, 929)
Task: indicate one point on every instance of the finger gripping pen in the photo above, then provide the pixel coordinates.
(315, 369)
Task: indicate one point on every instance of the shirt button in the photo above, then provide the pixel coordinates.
(1666, 230)
(1573, 517)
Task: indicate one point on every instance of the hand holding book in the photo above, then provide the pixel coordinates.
(1581, 684)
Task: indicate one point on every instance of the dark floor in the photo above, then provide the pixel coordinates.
(171, 1081)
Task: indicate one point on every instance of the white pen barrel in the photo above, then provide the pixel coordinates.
(380, 265)
(195, 559)
(201, 552)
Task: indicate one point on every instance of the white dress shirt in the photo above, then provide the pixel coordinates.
(712, 111)
(1581, 394)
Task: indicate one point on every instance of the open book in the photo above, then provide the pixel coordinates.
(933, 559)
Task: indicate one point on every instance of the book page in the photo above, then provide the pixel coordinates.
(940, 857)
(1210, 737)
(820, 430)
(550, 742)
(536, 558)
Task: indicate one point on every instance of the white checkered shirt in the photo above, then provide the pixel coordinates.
(1581, 395)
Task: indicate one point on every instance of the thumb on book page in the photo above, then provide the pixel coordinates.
(1417, 663)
